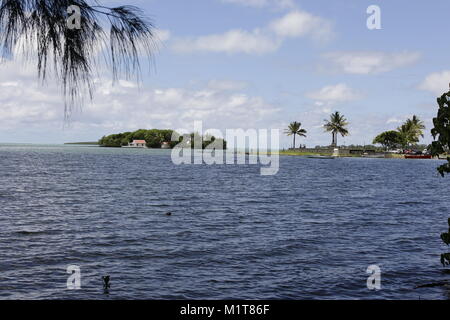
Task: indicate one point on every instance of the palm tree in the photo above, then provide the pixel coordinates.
(294, 129)
(41, 29)
(411, 131)
(336, 125)
(417, 126)
(406, 136)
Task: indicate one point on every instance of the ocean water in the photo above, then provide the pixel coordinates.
(310, 232)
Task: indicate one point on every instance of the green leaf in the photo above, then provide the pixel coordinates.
(445, 259)
(441, 132)
(446, 238)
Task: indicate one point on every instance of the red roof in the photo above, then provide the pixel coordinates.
(139, 141)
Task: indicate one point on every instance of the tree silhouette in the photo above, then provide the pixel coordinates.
(294, 129)
(441, 132)
(39, 29)
(445, 257)
(336, 125)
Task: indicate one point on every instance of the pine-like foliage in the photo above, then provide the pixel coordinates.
(38, 29)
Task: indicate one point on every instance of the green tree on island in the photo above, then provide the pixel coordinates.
(43, 29)
(417, 126)
(295, 129)
(409, 133)
(154, 139)
(336, 125)
(389, 139)
(406, 137)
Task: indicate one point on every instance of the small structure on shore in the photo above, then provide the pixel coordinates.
(335, 152)
(165, 145)
(138, 144)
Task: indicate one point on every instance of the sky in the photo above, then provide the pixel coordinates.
(254, 64)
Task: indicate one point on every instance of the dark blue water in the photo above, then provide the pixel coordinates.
(309, 232)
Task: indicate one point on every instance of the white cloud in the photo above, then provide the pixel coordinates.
(162, 35)
(234, 41)
(122, 107)
(283, 4)
(395, 120)
(299, 24)
(437, 82)
(34, 113)
(295, 24)
(226, 85)
(369, 62)
(334, 94)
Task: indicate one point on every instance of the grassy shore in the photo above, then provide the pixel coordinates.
(305, 154)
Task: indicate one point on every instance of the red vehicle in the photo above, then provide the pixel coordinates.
(418, 156)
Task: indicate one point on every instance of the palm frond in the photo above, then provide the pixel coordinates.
(40, 26)
(337, 124)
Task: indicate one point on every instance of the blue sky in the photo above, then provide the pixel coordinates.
(256, 64)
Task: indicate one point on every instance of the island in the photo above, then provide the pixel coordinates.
(159, 139)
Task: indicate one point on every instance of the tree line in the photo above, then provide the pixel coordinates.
(337, 125)
(408, 134)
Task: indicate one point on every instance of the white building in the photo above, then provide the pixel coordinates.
(138, 144)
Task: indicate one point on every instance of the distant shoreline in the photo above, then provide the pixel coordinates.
(82, 143)
(300, 153)
(386, 155)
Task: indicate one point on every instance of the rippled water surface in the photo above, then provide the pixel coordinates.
(309, 232)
